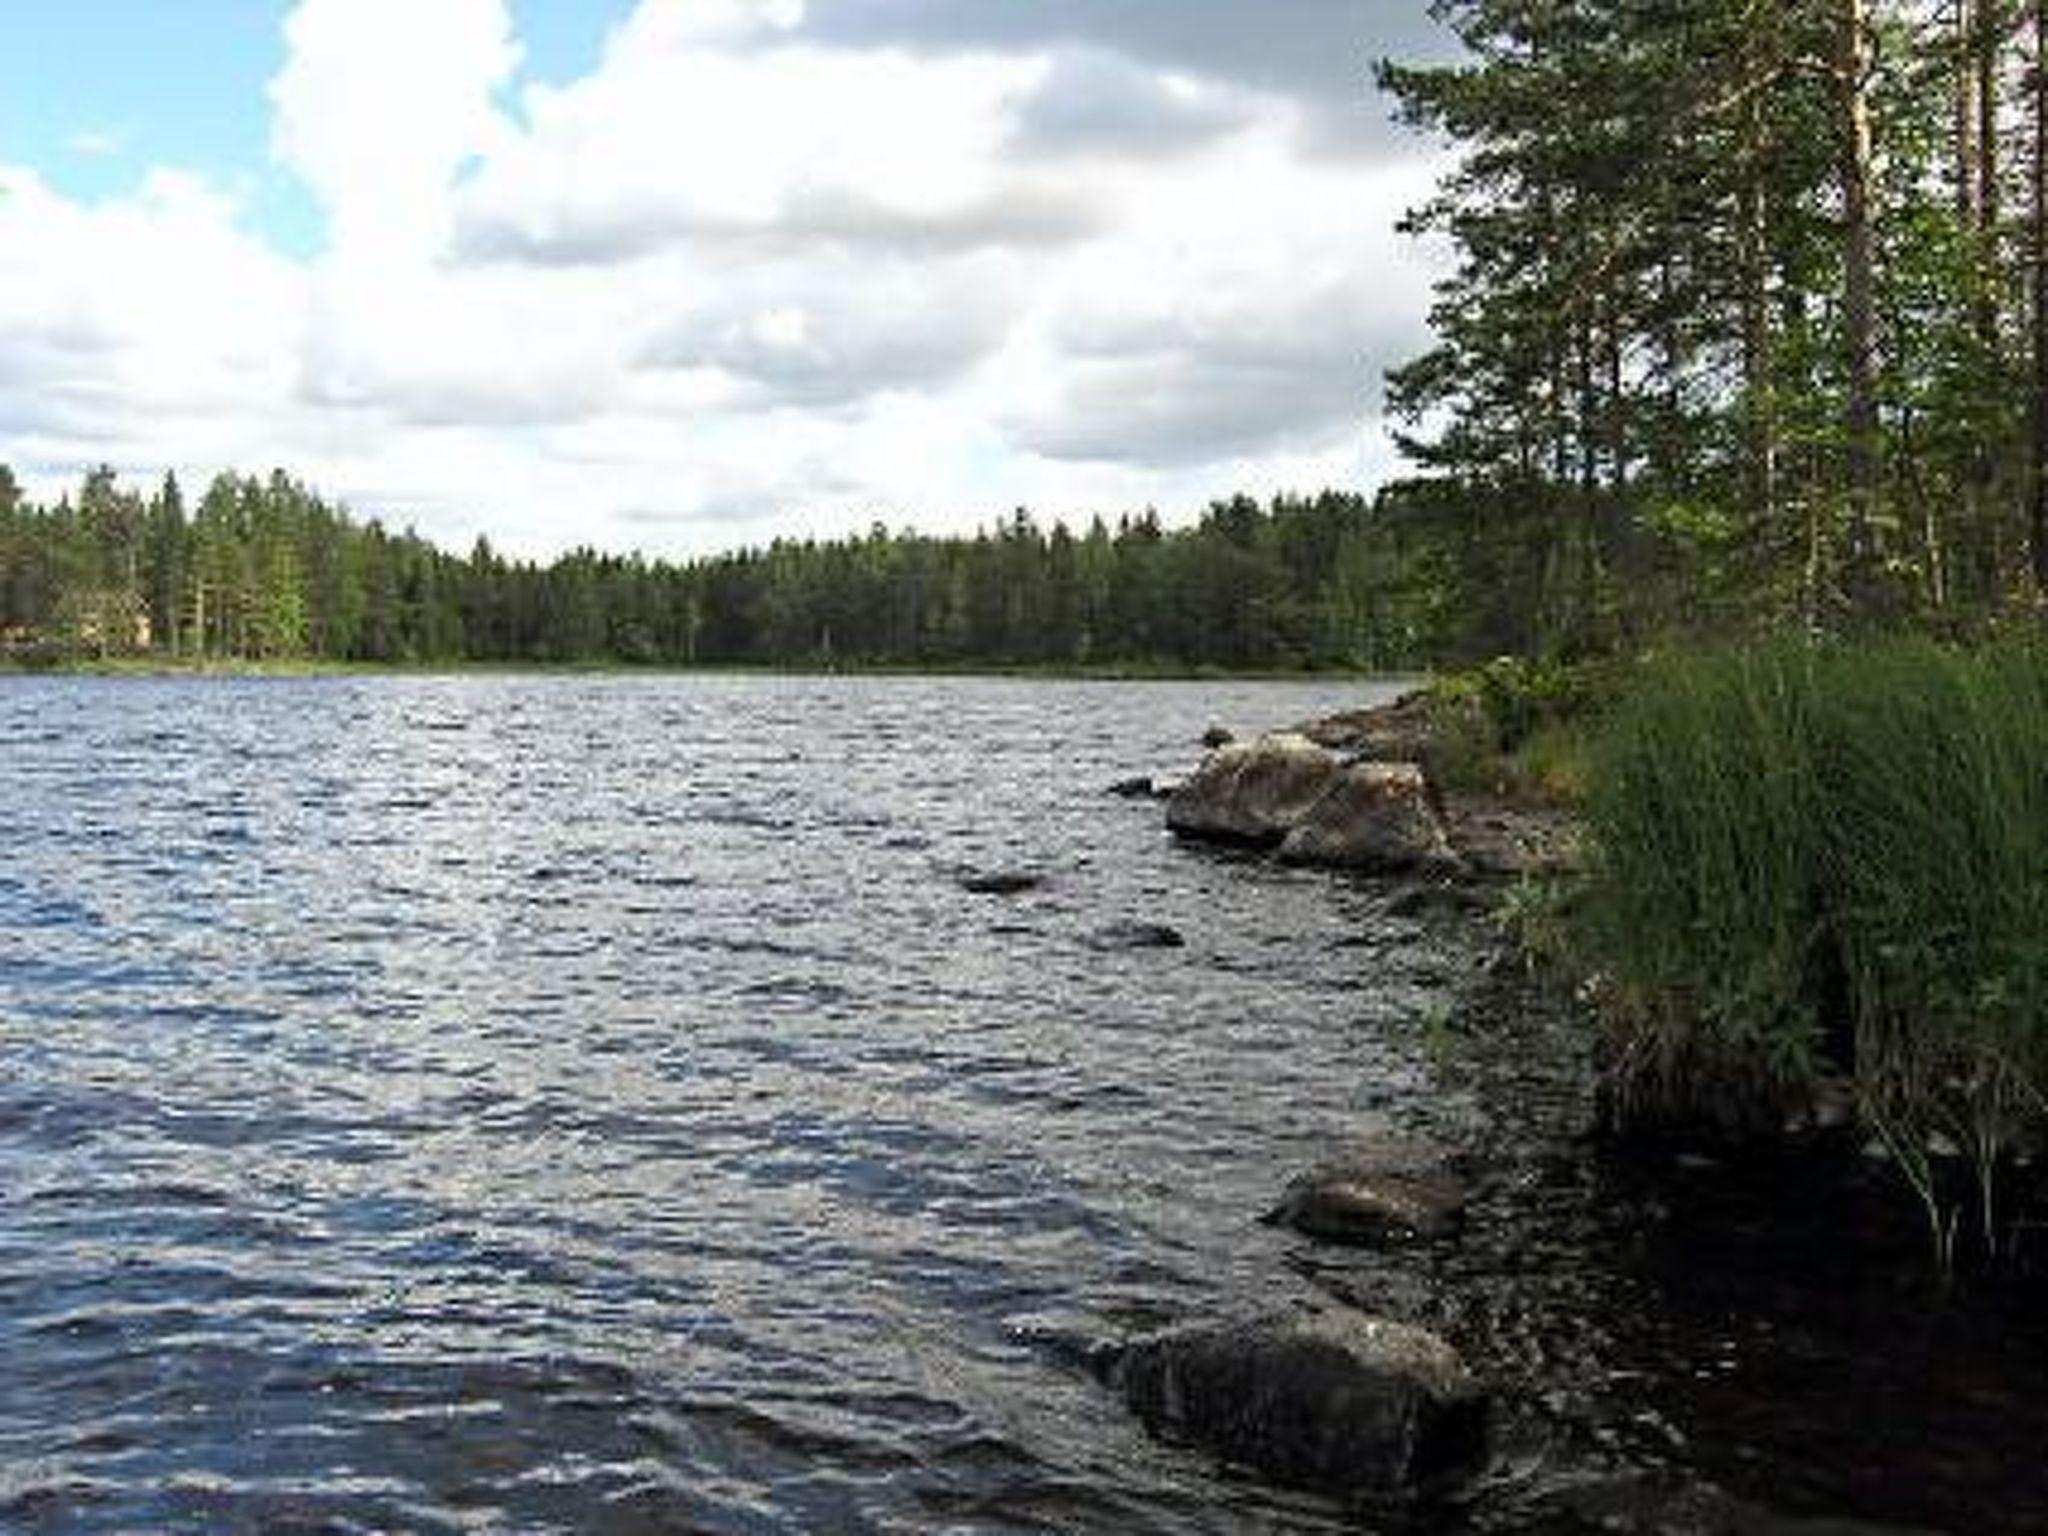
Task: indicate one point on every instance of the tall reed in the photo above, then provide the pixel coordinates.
(1816, 861)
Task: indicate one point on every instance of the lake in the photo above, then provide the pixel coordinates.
(595, 1103)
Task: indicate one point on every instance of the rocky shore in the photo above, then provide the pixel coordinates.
(1343, 1402)
(1361, 791)
(1350, 1400)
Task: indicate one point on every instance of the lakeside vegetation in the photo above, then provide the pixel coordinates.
(1821, 873)
(1743, 370)
(1745, 345)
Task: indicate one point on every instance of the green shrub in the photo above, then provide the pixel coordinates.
(1829, 860)
(1516, 727)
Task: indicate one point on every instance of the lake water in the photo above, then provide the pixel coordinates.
(594, 1104)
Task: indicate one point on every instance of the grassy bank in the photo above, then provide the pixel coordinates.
(1824, 868)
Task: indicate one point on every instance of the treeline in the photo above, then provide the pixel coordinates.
(1747, 325)
(266, 570)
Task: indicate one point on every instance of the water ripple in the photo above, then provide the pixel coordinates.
(595, 1104)
(477, 1104)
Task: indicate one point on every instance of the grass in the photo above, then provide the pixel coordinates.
(1830, 861)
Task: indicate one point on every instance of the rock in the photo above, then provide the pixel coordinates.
(1387, 1193)
(1218, 736)
(1132, 934)
(1253, 791)
(1373, 816)
(1139, 787)
(1001, 882)
(1341, 1402)
(1283, 790)
(1504, 841)
(1401, 732)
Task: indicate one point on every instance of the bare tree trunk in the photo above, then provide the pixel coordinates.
(2037, 454)
(1587, 366)
(1969, 116)
(1759, 364)
(1975, 120)
(1853, 67)
(1995, 22)
(1991, 23)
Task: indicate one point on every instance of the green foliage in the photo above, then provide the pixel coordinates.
(1517, 727)
(1537, 914)
(1831, 860)
(264, 570)
(1681, 380)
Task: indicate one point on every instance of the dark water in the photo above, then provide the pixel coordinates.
(594, 1104)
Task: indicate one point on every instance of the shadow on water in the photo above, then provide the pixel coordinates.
(1692, 1342)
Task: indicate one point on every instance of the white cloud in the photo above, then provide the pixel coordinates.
(675, 141)
(139, 325)
(1191, 340)
(744, 278)
(379, 106)
(660, 25)
(836, 331)
(1090, 102)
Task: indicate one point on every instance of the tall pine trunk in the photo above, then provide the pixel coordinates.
(2037, 452)
(1853, 65)
(1758, 367)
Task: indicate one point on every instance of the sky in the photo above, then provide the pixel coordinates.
(685, 275)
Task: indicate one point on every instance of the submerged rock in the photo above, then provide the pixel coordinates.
(1391, 1193)
(1138, 787)
(1001, 882)
(1318, 808)
(1341, 1402)
(1133, 934)
(1218, 736)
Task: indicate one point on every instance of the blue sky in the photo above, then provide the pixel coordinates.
(93, 93)
(682, 274)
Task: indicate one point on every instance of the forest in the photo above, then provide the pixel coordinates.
(1742, 331)
(1745, 341)
(1746, 327)
(265, 570)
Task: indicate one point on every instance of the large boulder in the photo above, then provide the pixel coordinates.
(1340, 1402)
(1253, 791)
(1373, 816)
(1282, 790)
(1382, 1192)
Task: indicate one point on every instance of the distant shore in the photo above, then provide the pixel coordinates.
(165, 666)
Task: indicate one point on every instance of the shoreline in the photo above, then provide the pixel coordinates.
(1106, 673)
(1801, 1231)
